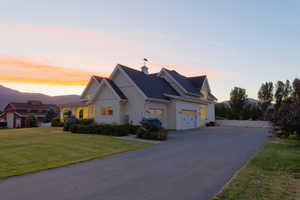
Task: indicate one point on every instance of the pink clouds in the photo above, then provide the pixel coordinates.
(91, 39)
(68, 56)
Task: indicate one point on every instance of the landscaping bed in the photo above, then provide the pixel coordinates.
(150, 129)
(274, 173)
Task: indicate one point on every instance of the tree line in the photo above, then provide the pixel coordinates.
(278, 103)
(271, 97)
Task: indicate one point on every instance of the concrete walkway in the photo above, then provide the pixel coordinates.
(191, 165)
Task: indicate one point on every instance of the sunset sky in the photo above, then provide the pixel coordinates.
(53, 47)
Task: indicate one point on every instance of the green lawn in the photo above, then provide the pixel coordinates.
(273, 174)
(29, 150)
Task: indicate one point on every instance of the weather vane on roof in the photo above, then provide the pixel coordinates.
(145, 61)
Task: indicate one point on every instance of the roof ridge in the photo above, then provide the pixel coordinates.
(197, 76)
(150, 85)
(102, 77)
(130, 68)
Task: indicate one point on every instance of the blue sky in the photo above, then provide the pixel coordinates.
(236, 43)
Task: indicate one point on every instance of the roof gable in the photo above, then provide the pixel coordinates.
(116, 89)
(184, 82)
(197, 81)
(93, 80)
(151, 85)
(112, 86)
(191, 85)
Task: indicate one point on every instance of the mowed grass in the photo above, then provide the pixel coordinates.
(273, 174)
(30, 150)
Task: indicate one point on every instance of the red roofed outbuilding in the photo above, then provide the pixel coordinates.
(15, 114)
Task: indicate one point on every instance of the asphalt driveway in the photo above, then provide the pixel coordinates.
(191, 165)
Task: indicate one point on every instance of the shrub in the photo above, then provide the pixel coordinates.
(113, 130)
(161, 135)
(133, 129)
(31, 121)
(72, 120)
(154, 135)
(287, 119)
(101, 129)
(55, 122)
(86, 121)
(141, 132)
(52, 113)
(151, 124)
(84, 129)
(121, 130)
(106, 129)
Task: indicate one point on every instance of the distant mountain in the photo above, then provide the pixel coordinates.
(8, 95)
(251, 101)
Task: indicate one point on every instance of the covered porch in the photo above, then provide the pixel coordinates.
(80, 110)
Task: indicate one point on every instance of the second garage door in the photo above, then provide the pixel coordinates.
(188, 119)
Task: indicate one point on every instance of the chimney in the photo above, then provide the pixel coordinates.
(145, 70)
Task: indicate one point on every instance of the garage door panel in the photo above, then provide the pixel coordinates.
(188, 119)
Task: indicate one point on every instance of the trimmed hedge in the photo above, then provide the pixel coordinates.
(133, 128)
(103, 129)
(152, 135)
(86, 121)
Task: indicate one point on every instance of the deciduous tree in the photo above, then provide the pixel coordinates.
(296, 87)
(279, 93)
(238, 99)
(287, 90)
(265, 95)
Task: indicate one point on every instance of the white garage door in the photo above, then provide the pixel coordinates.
(188, 119)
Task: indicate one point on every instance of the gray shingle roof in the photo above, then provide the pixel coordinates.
(197, 81)
(151, 85)
(185, 82)
(116, 89)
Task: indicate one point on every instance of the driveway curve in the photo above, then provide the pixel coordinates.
(191, 165)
